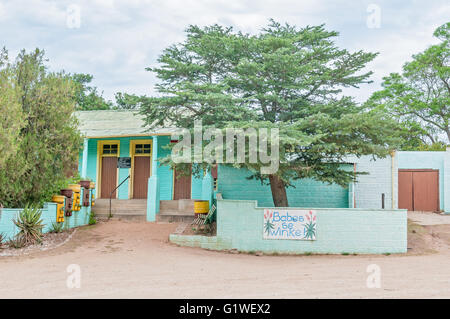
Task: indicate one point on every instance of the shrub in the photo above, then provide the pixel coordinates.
(30, 225)
(57, 227)
(37, 119)
(16, 242)
(92, 219)
(2, 238)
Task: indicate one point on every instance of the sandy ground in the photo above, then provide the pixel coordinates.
(120, 259)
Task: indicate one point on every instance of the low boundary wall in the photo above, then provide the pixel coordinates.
(339, 230)
(8, 215)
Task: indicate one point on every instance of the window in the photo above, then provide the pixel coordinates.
(110, 149)
(142, 149)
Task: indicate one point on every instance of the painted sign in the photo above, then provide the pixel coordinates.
(124, 162)
(289, 224)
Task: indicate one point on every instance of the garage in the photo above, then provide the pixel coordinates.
(418, 189)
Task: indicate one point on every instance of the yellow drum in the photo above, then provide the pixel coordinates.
(201, 206)
(60, 202)
(76, 196)
(92, 186)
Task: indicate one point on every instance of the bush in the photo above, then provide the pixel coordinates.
(44, 130)
(30, 226)
(57, 227)
(92, 219)
(16, 242)
(2, 238)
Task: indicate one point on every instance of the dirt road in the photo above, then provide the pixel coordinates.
(135, 260)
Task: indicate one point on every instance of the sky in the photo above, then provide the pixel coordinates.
(115, 40)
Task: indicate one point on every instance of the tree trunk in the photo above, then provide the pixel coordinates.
(278, 191)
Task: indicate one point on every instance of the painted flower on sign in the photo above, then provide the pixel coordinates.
(310, 226)
(268, 225)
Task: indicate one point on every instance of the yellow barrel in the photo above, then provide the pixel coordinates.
(76, 196)
(201, 206)
(75, 187)
(92, 186)
(59, 200)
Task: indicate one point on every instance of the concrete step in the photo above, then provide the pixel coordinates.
(163, 218)
(119, 203)
(132, 211)
(181, 205)
(129, 217)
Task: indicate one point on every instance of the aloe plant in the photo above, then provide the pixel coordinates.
(30, 225)
(57, 227)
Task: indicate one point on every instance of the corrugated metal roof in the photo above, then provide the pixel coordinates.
(109, 123)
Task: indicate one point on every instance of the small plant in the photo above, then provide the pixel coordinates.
(17, 242)
(92, 219)
(345, 254)
(30, 225)
(2, 238)
(57, 228)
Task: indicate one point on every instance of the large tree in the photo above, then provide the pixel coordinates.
(10, 113)
(419, 98)
(87, 96)
(284, 77)
(46, 141)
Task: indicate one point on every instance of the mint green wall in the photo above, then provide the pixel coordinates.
(196, 187)
(165, 174)
(232, 183)
(7, 215)
(339, 230)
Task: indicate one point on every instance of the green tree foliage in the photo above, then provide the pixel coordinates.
(48, 141)
(125, 101)
(10, 113)
(284, 77)
(87, 97)
(419, 98)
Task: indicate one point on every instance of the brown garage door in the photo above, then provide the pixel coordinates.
(182, 186)
(418, 190)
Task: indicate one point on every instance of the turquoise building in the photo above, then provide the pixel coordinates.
(122, 157)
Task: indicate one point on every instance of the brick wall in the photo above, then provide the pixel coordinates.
(233, 184)
(369, 188)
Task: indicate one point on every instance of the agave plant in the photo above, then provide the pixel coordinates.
(310, 230)
(57, 227)
(16, 242)
(2, 238)
(30, 225)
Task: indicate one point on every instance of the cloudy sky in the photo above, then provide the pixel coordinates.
(115, 40)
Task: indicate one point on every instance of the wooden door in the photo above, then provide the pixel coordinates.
(426, 191)
(418, 190)
(141, 176)
(109, 176)
(182, 186)
(405, 190)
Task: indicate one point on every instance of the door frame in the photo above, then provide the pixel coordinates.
(133, 155)
(99, 164)
(412, 170)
